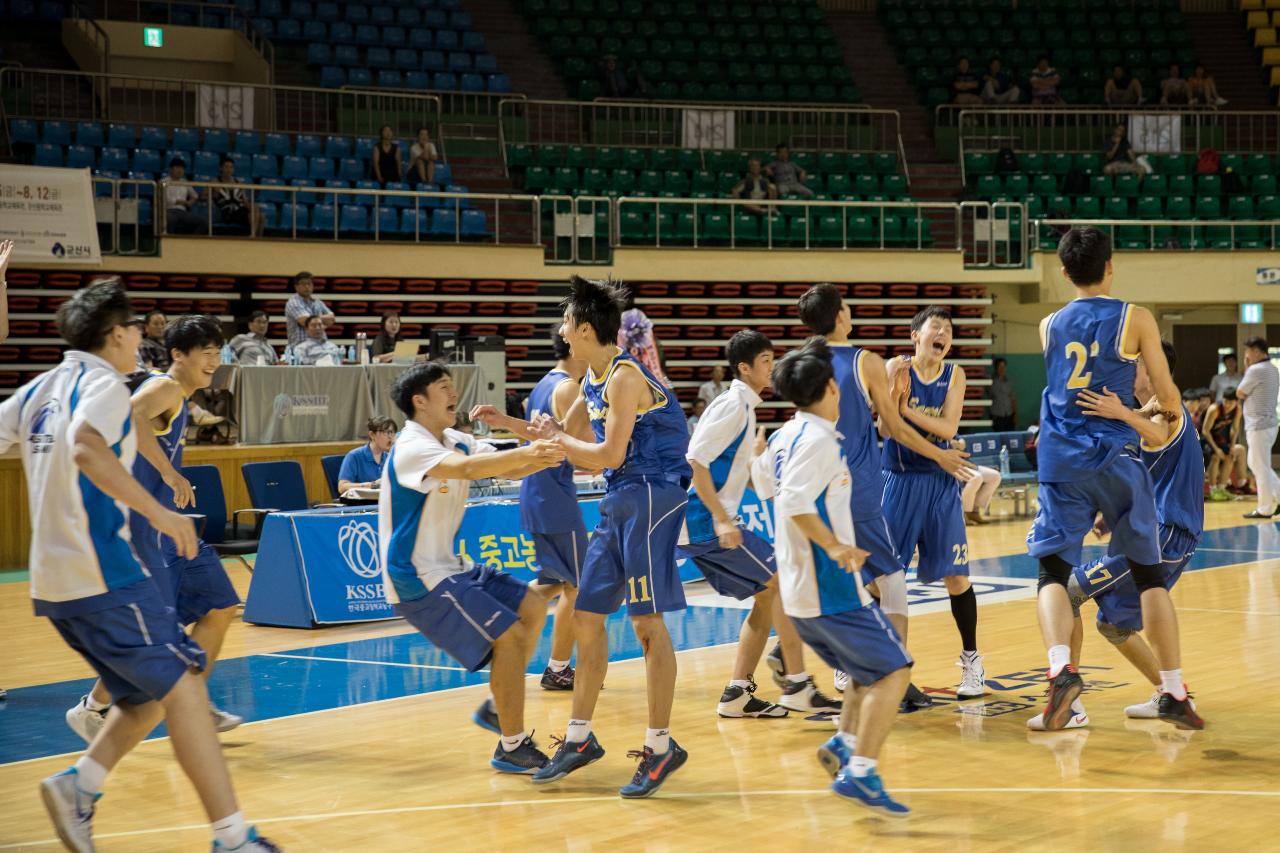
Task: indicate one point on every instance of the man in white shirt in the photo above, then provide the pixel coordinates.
(1229, 377)
(76, 428)
(1258, 391)
(479, 615)
(302, 306)
(178, 199)
(805, 471)
(713, 387)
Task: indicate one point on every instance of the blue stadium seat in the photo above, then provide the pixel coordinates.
(447, 40)
(264, 166)
(421, 39)
(434, 19)
(379, 57)
(301, 9)
(387, 222)
(205, 163)
(459, 61)
(430, 202)
(90, 133)
(270, 8)
(433, 60)
(393, 36)
(333, 77)
(321, 169)
(334, 198)
(473, 42)
(368, 34)
(294, 167)
(184, 156)
(102, 189)
(346, 54)
(406, 59)
(314, 31)
(368, 200)
(388, 79)
(486, 63)
(471, 83)
(364, 147)
(351, 169)
(417, 80)
(408, 16)
(24, 131)
(360, 77)
(56, 133)
(307, 145)
(185, 138)
(153, 137)
(273, 196)
(415, 222)
(285, 221)
(247, 142)
(397, 200)
(147, 190)
(444, 81)
(322, 218)
(120, 136)
(22, 10)
(278, 145)
(114, 159)
(328, 12)
(216, 139)
(354, 219)
(499, 83)
(444, 174)
(318, 52)
(79, 157)
(460, 189)
(289, 29)
(337, 147)
(443, 223)
(460, 20)
(340, 33)
(382, 15)
(276, 486)
(147, 160)
(474, 224)
(303, 182)
(244, 165)
(356, 13)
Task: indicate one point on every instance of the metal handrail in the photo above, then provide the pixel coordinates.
(1174, 225)
(101, 40)
(141, 190)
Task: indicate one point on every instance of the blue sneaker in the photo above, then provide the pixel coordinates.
(526, 759)
(834, 755)
(869, 791)
(486, 717)
(253, 844)
(653, 770)
(569, 757)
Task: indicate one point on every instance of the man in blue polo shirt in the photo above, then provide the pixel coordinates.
(362, 467)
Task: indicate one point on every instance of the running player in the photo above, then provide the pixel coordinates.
(865, 387)
(735, 561)
(640, 442)
(1171, 452)
(1089, 465)
(478, 614)
(921, 501)
(77, 433)
(198, 589)
(818, 564)
(549, 510)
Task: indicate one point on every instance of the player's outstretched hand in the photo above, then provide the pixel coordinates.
(547, 453)
(6, 252)
(1104, 405)
(956, 463)
(759, 444)
(183, 493)
(729, 534)
(179, 528)
(546, 427)
(487, 413)
(850, 557)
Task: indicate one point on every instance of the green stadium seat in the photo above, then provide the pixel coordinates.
(519, 156)
(1240, 207)
(1208, 207)
(1155, 185)
(1230, 163)
(536, 179)
(1178, 207)
(1251, 237)
(704, 181)
(1044, 184)
(1088, 163)
(1262, 184)
(1218, 236)
(838, 182)
(1127, 185)
(550, 155)
(690, 160)
(608, 158)
(987, 186)
(829, 229)
(1100, 185)
(634, 159)
(634, 226)
(676, 180)
(650, 181)
(858, 163)
(833, 161)
(1088, 207)
(622, 181)
(746, 228)
(1059, 164)
(1149, 207)
(1034, 206)
(578, 157)
(1209, 185)
(1016, 184)
(1133, 237)
(1174, 164)
(1115, 207)
(566, 179)
(1181, 185)
(1031, 162)
(1268, 206)
(870, 184)
(895, 186)
(891, 225)
(885, 163)
(661, 159)
(1058, 205)
(594, 181)
(715, 228)
(1257, 164)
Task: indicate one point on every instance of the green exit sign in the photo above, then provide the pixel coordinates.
(153, 36)
(1251, 312)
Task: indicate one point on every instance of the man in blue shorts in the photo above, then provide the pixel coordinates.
(198, 589)
(818, 569)
(1089, 465)
(921, 501)
(78, 436)
(640, 442)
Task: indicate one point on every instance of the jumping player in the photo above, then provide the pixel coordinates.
(1089, 465)
(640, 442)
(1171, 451)
(478, 614)
(198, 589)
(735, 561)
(922, 503)
(78, 434)
(818, 567)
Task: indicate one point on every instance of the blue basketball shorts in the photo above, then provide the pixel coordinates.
(861, 642)
(195, 587)
(873, 535)
(138, 649)
(739, 572)
(1109, 582)
(924, 513)
(1122, 492)
(466, 613)
(560, 556)
(632, 555)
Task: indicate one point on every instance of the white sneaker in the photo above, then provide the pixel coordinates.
(1078, 720)
(85, 722)
(203, 417)
(805, 697)
(973, 678)
(253, 844)
(70, 809)
(224, 721)
(840, 680)
(1148, 710)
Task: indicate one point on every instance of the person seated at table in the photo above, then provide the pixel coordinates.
(317, 345)
(384, 344)
(362, 467)
(252, 347)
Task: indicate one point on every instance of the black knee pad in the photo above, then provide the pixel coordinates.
(1053, 569)
(1146, 577)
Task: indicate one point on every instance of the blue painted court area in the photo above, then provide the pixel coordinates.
(339, 675)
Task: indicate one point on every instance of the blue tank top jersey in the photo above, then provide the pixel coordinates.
(661, 435)
(928, 398)
(861, 443)
(146, 539)
(1177, 470)
(549, 499)
(1084, 348)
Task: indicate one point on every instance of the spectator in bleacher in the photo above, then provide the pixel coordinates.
(615, 82)
(317, 345)
(756, 185)
(1045, 80)
(965, 84)
(998, 86)
(152, 354)
(787, 175)
(1173, 89)
(232, 203)
(1228, 379)
(1203, 89)
(422, 159)
(978, 490)
(362, 466)
(1119, 156)
(713, 387)
(252, 347)
(1004, 402)
(1122, 88)
(302, 306)
(385, 160)
(178, 199)
(699, 406)
(384, 344)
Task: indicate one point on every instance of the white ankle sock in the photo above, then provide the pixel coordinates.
(861, 766)
(1077, 707)
(798, 677)
(849, 740)
(740, 682)
(231, 830)
(659, 740)
(1059, 656)
(94, 705)
(90, 775)
(557, 665)
(578, 731)
(1171, 683)
(510, 743)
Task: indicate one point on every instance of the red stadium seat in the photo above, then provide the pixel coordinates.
(727, 311)
(794, 291)
(384, 307)
(517, 353)
(700, 352)
(142, 281)
(423, 308)
(481, 330)
(455, 285)
(272, 284)
(70, 280)
(701, 331)
(420, 285)
(9, 354)
(904, 291)
(524, 288)
(181, 282)
(30, 328)
(522, 309)
(765, 310)
(691, 289)
(212, 306)
(695, 310)
(868, 310)
(969, 310)
(272, 306)
(680, 374)
(25, 304)
(350, 307)
(659, 309)
(674, 353)
(903, 310)
(935, 291)
(652, 288)
(761, 290)
(491, 308)
(346, 285)
(726, 290)
(868, 291)
(50, 355)
(520, 331)
(875, 332)
(218, 283)
(456, 308)
(23, 278)
(383, 285)
(490, 286)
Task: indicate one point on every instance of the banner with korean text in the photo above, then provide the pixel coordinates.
(48, 214)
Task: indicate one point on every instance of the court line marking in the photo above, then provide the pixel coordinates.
(371, 662)
(1215, 610)
(614, 798)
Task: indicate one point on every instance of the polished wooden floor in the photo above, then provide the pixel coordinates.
(411, 773)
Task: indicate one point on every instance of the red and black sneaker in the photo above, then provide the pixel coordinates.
(562, 680)
(1180, 712)
(1064, 688)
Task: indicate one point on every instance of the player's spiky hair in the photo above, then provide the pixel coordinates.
(597, 303)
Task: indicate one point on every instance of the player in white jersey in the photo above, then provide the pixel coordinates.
(76, 428)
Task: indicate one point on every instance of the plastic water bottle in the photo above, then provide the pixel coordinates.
(351, 353)
(1004, 461)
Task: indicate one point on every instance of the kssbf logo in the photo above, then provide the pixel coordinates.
(358, 544)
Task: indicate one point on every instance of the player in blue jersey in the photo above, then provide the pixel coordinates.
(1090, 465)
(823, 592)
(865, 394)
(198, 589)
(641, 439)
(479, 615)
(921, 501)
(549, 509)
(78, 435)
(1171, 451)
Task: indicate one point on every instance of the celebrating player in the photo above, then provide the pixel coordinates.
(921, 501)
(1089, 465)
(640, 442)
